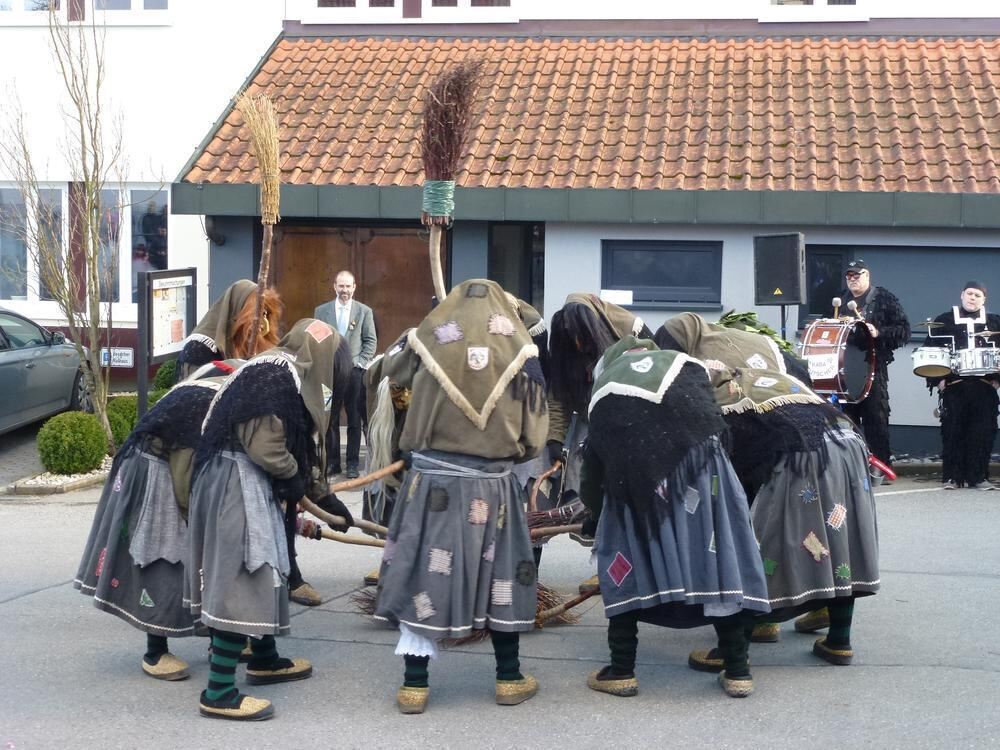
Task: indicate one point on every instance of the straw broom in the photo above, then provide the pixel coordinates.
(447, 126)
(261, 119)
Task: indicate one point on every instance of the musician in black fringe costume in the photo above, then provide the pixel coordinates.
(263, 444)
(582, 331)
(133, 563)
(887, 326)
(673, 540)
(968, 402)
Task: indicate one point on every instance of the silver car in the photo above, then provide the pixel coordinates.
(40, 374)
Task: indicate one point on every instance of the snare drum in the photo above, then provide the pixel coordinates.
(931, 362)
(978, 361)
(836, 365)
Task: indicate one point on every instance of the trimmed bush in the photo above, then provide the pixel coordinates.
(166, 375)
(155, 396)
(123, 413)
(72, 443)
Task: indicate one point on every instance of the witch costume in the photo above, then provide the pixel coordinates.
(458, 554)
(262, 444)
(224, 330)
(133, 563)
(805, 469)
(674, 543)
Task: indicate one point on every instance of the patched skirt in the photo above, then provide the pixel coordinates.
(132, 565)
(817, 531)
(238, 563)
(701, 562)
(458, 554)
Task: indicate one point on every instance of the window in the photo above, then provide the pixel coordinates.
(24, 243)
(21, 333)
(824, 280)
(665, 274)
(335, 4)
(109, 234)
(490, 3)
(149, 233)
(516, 260)
(130, 4)
(444, 3)
(380, 3)
(841, 2)
(29, 5)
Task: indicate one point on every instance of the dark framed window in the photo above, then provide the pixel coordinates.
(490, 3)
(841, 2)
(824, 279)
(516, 260)
(444, 3)
(381, 3)
(335, 3)
(664, 273)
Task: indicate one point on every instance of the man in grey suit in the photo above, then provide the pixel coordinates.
(355, 322)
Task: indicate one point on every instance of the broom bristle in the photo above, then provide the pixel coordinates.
(261, 119)
(447, 120)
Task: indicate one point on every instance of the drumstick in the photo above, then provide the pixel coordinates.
(836, 307)
(853, 307)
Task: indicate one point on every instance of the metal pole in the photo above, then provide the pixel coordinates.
(142, 356)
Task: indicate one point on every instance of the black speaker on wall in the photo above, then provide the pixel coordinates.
(779, 269)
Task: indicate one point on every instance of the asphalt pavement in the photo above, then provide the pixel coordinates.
(926, 672)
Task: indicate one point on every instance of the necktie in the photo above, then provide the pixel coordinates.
(342, 320)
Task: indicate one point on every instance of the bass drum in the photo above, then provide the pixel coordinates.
(836, 365)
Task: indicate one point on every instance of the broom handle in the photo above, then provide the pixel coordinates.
(262, 275)
(533, 500)
(437, 275)
(353, 484)
(306, 504)
(541, 531)
(363, 541)
(548, 614)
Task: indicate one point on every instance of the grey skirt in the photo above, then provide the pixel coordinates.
(132, 564)
(818, 532)
(238, 561)
(458, 554)
(702, 560)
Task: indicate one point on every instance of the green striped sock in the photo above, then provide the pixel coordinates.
(841, 615)
(226, 649)
(265, 653)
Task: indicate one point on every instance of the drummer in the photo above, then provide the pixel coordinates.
(886, 325)
(968, 403)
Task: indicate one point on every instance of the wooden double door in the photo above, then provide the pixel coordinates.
(389, 263)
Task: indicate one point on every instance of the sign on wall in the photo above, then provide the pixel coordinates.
(168, 324)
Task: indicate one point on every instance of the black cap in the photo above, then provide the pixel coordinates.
(856, 265)
(974, 285)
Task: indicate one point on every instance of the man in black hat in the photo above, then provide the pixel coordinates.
(886, 325)
(968, 402)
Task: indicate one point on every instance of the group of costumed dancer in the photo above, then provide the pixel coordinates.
(718, 489)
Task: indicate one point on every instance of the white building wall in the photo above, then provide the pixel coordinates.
(170, 74)
(927, 282)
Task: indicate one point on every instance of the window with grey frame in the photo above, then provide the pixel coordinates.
(669, 274)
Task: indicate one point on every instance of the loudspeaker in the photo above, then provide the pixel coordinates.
(779, 269)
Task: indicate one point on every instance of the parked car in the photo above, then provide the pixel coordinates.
(40, 374)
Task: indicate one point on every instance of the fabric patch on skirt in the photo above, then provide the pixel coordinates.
(619, 569)
(502, 593)
(711, 544)
(118, 483)
(479, 511)
(691, 499)
(526, 572)
(836, 517)
(422, 603)
(145, 600)
(100, 562)
(500, 325)
(476, 290)
(843, 572)
(449, 332)
(490, 552)
(501, 516)
(770, 566)
(815, 547)
(439, 499)
(808, 495)
(440, 561)
(477, 357)
(414, 486)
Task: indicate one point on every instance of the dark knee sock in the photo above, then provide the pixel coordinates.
(505, 649)
(225, 656)
(841, 615)
(537, 554)
(415, 673)
(733, 644)
(264, 653)
(623, 640)
(156, 646)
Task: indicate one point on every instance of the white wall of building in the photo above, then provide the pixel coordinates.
(927, 282)
(170, 73)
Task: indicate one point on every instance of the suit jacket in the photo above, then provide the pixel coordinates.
(360, 331)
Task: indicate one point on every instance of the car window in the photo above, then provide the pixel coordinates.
(20, 332)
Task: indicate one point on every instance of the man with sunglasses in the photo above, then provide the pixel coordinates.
(887, 327)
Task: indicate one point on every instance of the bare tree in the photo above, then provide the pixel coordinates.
(82, 281)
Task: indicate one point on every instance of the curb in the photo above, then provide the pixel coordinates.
(932, 468)
(22, 488)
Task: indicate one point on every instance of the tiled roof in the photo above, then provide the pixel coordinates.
(805, 114)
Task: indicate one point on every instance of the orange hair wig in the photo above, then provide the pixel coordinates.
(270, 325)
